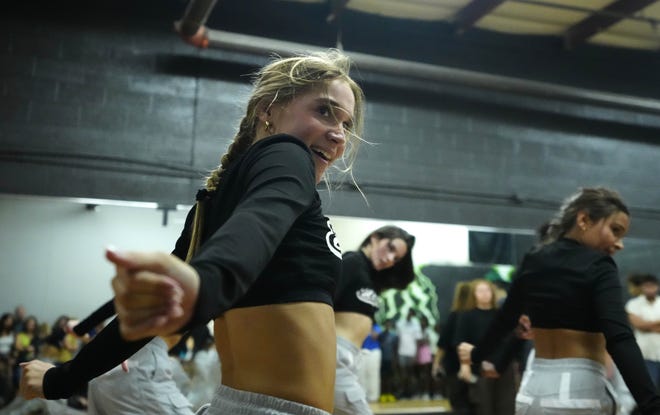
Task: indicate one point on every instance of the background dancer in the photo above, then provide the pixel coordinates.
(383, 261)
(570, 289)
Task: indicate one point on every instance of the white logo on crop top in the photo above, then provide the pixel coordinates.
(332, 241)
(367, 295)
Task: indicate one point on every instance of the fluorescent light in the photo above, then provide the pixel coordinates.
(109, 202)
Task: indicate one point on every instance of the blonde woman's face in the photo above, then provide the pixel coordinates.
(320, 118)
(483, 294)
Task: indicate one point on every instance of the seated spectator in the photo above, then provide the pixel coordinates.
(26, 346)
(6, 360)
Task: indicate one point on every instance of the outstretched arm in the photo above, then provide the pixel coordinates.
(621, 344)
(154, 294)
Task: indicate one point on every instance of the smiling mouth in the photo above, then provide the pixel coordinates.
(321, 155)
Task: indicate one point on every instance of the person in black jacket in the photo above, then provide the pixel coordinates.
(570, 289)
(445, 362)
(256, 254)
(491, 391)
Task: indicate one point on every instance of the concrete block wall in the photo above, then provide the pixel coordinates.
(499, 167)
(128, 111)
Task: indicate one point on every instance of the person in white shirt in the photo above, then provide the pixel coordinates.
(409, 331)
(644, 314)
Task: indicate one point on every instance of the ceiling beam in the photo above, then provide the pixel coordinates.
(470, 14)
(602, 19)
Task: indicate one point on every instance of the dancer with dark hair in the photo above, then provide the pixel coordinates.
(383, 261)
(570, 289)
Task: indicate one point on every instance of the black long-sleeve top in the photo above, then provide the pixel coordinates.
(446, 342)
(356, 291)
(97, 317)
(570, 286)
(265, 241)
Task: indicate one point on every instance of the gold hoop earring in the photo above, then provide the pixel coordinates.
(267, 126)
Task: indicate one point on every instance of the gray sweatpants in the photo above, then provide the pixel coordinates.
(565, 387)
(147, 388)
(350, 397)
(229, 401)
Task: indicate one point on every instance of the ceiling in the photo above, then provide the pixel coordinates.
(598, 45)
(619, 23)
(611, 23)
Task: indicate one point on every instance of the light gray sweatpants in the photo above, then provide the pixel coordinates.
(147, 388)
(565, 387)
(229, 401)
(350, 397)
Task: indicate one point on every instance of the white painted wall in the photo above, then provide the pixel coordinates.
(52, 250)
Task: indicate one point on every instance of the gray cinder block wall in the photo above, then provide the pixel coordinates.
(116, 106)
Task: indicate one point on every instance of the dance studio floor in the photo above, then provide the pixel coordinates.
(412, 407)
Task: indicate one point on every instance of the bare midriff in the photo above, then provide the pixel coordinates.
(354, 327)
(282, 350)
(565, 343)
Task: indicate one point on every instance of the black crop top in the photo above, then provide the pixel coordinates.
(265, 241)
(355, 291)
(274, 244)
(568, 285)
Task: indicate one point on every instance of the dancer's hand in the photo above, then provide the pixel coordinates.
(437, 370)
(155, 293)
(524, 328)
(488, 370)
(465, 374)
(32, 379)
(464, 351)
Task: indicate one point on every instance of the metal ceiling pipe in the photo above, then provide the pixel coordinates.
(263, 46)
(195, 17)
(192, 30)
